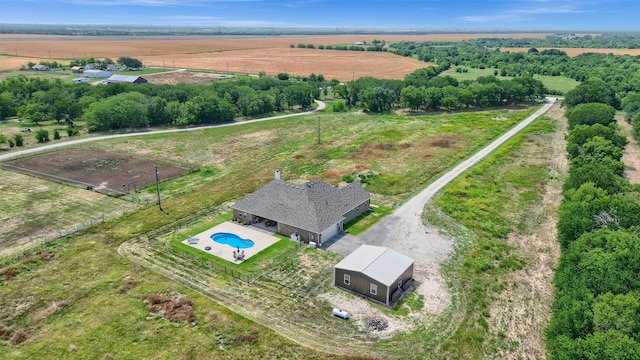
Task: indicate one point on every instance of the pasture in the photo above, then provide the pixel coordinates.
(558, 83)
(35, 210)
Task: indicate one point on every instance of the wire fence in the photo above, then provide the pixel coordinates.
(59, 233)
(154, 240)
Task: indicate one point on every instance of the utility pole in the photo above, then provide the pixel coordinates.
(158, 187)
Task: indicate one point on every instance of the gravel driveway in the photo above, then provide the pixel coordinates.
(405, 232)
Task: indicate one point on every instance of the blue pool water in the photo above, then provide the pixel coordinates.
(232, 240)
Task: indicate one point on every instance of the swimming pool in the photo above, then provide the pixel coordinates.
(232, 240)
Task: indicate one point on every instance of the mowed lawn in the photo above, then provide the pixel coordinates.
(87, 301)
(554, 83)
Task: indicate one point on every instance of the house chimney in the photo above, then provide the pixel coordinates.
(277, 174)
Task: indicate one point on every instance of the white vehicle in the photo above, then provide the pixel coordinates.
(80, 80)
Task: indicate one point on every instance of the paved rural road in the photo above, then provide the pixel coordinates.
(321, 106)
(404, 230)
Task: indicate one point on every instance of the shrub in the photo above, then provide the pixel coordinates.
(19, 140)
(348, 178)
(11, 143)
(72, 131)
(42, 136)
(56, 134)
(339, 106)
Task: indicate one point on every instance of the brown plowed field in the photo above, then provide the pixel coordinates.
(102, 170)
(239, 54)
(333, 64)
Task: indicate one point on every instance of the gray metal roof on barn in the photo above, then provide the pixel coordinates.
(126, 78)
(314, 206)
(377, 262)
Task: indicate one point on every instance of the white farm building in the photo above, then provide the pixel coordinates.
(96, 73)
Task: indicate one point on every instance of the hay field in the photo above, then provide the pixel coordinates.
(577, 51)
(333, 64)
(239, 54)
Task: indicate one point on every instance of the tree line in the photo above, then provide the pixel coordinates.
(621, 72)
(424, 90)
(596, 311)
(123, 105)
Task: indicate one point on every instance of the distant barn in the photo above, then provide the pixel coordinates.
(375, 272)
(40, 68)
(126, 79)
(94, 73)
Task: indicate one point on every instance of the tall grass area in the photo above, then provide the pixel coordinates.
(491, 200)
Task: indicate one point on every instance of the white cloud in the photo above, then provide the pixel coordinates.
(526, 9)
(157, 3)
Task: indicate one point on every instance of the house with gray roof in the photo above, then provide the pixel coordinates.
(375, 272)
(312, 212)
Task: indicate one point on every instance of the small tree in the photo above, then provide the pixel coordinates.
(19, 140)
(3, 139)
(72, 131)
(42, 136)
(56, 134)
(130, 62)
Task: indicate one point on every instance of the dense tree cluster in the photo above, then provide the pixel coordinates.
(596, 312)
(121, 105)
(425, 91)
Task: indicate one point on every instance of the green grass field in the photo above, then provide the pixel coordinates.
(33, 209)
(556, 83)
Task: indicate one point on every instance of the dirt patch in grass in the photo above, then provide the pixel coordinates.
(99, 169)
(445, 142)
(631, 154)
(180, 310)
(183, 77)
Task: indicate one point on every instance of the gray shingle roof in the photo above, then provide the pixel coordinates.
(314, 206)
(377, 262)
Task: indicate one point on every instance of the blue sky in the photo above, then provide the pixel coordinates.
(399, 14)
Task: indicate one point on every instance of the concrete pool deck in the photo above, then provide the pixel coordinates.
(261, 240)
